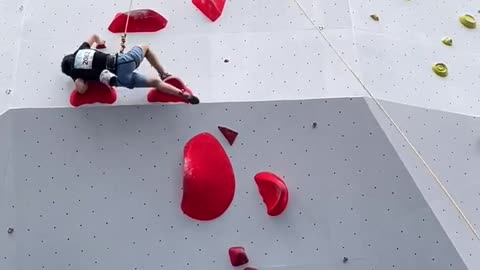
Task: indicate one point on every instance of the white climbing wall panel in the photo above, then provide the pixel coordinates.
(397, 53)
(274, 51)
(100, 188)
(10, 22)
(287, 49)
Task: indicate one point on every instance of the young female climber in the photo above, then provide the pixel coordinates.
(87, 64)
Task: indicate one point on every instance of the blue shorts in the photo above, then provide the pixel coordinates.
(126, 69)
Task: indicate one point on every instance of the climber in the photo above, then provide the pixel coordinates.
(87, 64)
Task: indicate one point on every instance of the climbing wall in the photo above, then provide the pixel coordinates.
(259, 50)
(7, 195)
(449, 144)
(10, 22)
(229, 60)
(398, 51)
(100, 188)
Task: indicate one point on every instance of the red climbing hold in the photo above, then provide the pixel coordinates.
(208, 180)
(238, 256)
(211, 8)
(229, 134)
(273, 191)
(141, 20)
(97, 92)
(157, 96)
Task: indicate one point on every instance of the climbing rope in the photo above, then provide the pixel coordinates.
(437, 179)
(124, 36)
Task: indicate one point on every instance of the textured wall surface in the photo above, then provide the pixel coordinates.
(100, 188)
(278, 50)
(450, 145)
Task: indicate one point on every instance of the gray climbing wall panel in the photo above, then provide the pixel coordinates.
(7, 194)
(449, 144)
(100, 188)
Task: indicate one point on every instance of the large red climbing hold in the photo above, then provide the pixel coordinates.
(208, 180)
(156, 96)
(238, 256)
(97, 92)
(141, 20)
(274, 192)
(229, 134)
(213, 9)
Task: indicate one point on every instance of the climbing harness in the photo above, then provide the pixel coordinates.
(417, 153)
(124, 36)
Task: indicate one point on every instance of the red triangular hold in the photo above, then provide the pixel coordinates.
(213, 9)
(97, 92)
(157, 96)
(229, 134)
(141, 20)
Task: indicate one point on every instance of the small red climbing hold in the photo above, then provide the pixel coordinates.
(229, 134)
(101, 46)
(274, 192)
(208, 180)
(97, 92)
(141, 20)
(156, 96)
(213, 9)
(238, 256)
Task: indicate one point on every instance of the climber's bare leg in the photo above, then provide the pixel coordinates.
(153, 60)
(159, 84)
(167, 88)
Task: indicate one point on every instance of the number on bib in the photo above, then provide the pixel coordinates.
(84, 59)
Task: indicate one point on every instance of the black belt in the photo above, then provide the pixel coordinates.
(112, 63)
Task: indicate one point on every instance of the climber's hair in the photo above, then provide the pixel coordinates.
(67, 64)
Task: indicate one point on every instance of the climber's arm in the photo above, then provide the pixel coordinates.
(95, 39)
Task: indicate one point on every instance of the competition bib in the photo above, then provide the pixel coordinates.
(84, 59)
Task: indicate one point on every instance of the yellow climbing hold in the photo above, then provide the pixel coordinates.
(447, 41)
(440, 69)
(375, 17)
(468, 21)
